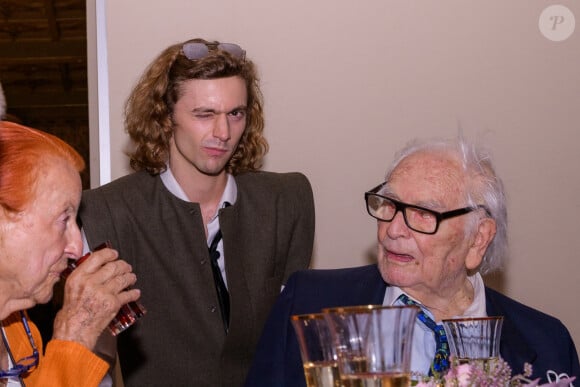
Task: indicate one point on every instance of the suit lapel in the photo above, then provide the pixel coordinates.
(513, 346)
(369, 287)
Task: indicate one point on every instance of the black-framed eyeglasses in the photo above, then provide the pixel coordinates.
(25, 364)
(199, 50)
(417, 218)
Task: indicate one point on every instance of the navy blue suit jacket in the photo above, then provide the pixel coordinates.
(527, 334)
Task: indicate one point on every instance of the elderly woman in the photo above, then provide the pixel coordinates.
(441, 222)
(40, 191)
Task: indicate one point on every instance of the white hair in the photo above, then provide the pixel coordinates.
(482, 187)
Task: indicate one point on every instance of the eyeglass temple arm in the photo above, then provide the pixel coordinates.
(377, 188)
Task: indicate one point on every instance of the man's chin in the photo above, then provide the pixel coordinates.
(214, 171)
(396, 276)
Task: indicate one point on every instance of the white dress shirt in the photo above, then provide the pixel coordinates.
(423, 348)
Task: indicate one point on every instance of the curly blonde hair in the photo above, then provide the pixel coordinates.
(149, 108)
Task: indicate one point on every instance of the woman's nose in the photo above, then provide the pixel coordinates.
(74, 246)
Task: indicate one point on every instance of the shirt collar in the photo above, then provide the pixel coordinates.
(229, 195)
(476, 309)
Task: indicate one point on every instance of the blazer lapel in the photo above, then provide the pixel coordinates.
(378, 290)
(513, 347)
(368, 286)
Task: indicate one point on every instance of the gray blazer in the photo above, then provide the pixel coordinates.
(268, 234)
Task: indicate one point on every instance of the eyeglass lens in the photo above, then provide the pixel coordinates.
(418, 219)
(197, 50)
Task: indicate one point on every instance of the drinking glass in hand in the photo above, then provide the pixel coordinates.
(128, 314)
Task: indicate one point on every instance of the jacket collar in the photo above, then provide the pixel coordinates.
(513, 346)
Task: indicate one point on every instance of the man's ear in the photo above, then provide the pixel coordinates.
(481, 240)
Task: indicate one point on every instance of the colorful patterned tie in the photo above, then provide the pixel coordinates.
(441, 360)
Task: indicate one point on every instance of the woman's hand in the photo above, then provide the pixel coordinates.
(93, 294)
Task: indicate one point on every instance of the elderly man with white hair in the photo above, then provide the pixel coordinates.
(441, 223)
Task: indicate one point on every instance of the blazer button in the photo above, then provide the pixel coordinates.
(213, 309)
(203, 261)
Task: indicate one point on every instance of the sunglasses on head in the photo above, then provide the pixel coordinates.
(198, 50)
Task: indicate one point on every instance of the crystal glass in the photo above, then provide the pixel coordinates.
(317, 350)
(474, 340)
(373, 344)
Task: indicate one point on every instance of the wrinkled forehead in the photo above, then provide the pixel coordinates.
(428, 177)
(58, 178)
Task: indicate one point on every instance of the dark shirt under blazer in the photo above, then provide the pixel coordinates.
(268, 234)
(527, 334)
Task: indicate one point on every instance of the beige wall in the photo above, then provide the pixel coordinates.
(347, 83)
